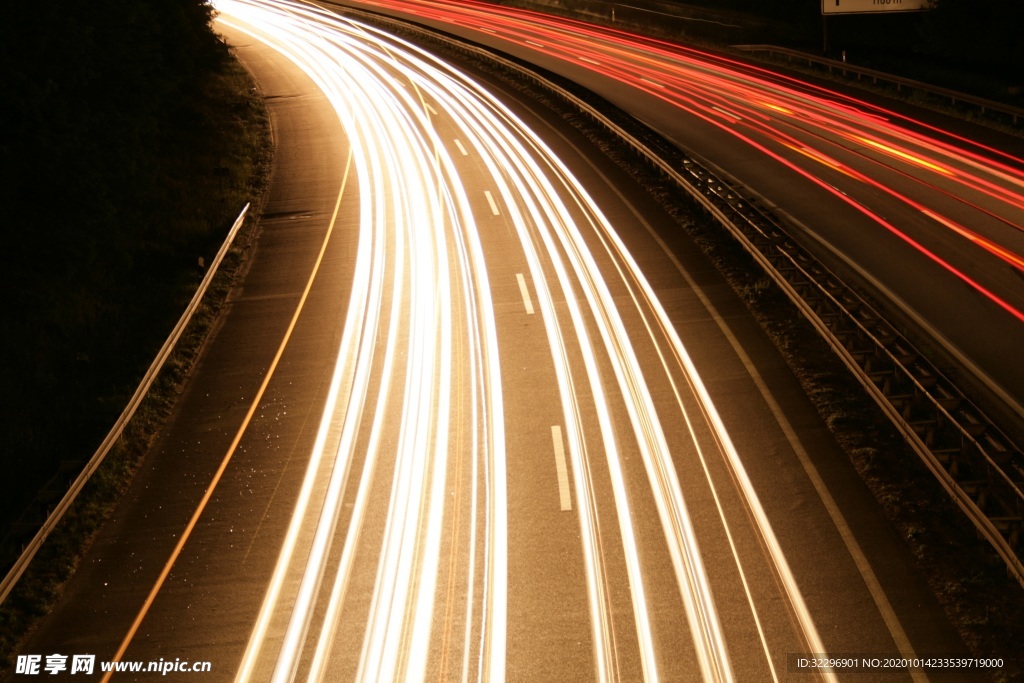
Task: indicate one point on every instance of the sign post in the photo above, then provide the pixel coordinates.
(830, 7)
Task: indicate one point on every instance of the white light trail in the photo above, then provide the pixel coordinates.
(420, 343)
(403, 208)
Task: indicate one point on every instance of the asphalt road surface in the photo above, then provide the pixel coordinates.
(924, 209)
(477, 412)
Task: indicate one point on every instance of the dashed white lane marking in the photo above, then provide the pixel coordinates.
(527, 301)
(490, 200)
(560, 467)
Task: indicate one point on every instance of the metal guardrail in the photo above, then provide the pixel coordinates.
(984, 106)
(975, 462)
(32, 547)
(980, 468)
(712, 18)
(977, 465)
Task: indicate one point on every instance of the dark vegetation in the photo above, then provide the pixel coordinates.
(132, 140)
(130, 144)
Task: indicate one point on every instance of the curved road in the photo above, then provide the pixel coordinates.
(476, 412)
(926, 210)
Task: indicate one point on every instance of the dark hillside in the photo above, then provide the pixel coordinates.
(122, 165)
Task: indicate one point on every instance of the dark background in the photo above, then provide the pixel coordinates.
(974, 45)
(113, 165)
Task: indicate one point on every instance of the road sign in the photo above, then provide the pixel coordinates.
(868, 6)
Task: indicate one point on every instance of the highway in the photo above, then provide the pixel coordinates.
(477, 411)
(926, 211)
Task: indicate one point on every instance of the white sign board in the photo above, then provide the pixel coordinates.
(865, 6)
